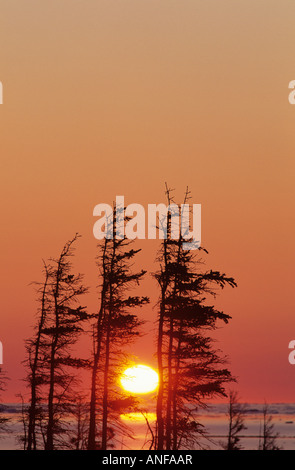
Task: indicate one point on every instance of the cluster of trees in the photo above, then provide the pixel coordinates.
(115, 326)
(51, 365)
(191, 370)
(236, 418)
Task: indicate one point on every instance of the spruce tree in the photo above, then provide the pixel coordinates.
(50, 360)
(115, 327)
(190, 370)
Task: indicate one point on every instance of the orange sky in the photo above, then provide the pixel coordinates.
(103, 98)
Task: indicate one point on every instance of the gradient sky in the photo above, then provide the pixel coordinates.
(106, 98)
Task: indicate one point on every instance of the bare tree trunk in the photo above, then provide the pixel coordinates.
(170, 384)
(107, 357)
(32, 445)
(92, 416)
(105, 391)
(160, 396)
(160, 420)
(50, 405)
(97, 345)
(175, 388)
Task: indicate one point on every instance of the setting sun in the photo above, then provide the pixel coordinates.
(139, 379)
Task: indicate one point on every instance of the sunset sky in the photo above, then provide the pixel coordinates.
(106, 98)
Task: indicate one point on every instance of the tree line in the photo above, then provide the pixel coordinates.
(60, 414)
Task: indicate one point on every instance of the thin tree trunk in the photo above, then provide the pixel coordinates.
(160, 420)
(105, 391)
(32, 445)
(107, 356)
(92, 417)
(170, 384)
(175, 387)
(229, 446)
(160, 396)
(50, 424)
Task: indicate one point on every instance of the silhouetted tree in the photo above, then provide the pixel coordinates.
(49, 353)
(3, 420)
(35, 376)
(62, 332)
(190, 370)
(115, 327)
(97, 347)
(268, 437)
(236, 416)
(78, 415)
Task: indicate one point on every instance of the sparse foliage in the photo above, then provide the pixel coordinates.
(190, 369)
(115, 327)
(268, 437)
(50, 362)
(236, 417)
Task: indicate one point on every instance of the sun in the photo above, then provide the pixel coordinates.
(139, 379)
